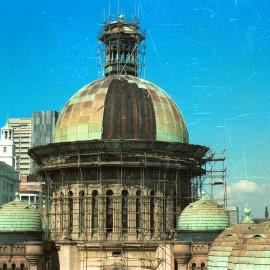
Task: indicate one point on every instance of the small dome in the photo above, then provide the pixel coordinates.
(223, 245)
(252, 250)
(242, 246)
(203, 215)
(121, 107)
(18, 216)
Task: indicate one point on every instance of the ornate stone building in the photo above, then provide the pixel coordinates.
(22, 245)
(120, 167)
(119, 175)
(198, 226)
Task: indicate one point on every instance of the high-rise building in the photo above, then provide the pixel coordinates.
(9, 182)
(29, 132)
(233, 213)
(43, 125)
(22, 128)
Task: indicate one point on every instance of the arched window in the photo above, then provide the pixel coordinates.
(70, 211)
(81, 210)
(203, 266)
(124, 211)
(13, 266)
(152, 212)
(22, 267)
(193, 266)
(94, 211)
(138, 211)
(4, 266)
(109, 211)
(61, 210)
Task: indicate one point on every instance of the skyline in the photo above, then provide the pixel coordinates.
(211, 58)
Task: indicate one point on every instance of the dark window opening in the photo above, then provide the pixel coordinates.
(138, 211)
(109, 211)
(116, 253)
(152, 212)
(94, 211)
(81, 210)
(124, 211)
(61, 211)
(70, 212)
(257, 236)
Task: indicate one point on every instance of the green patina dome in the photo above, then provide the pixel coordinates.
(18, 216)
(121, 107)
(203, 215)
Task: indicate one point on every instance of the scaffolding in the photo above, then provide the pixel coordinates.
(121, 49)
(118, 201)
(213, 182)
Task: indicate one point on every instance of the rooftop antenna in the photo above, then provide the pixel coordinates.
(7, 116)
(109, 10)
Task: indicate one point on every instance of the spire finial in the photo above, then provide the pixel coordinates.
(17, 196)
(266, 214)
(121, 18)
(203, 195)
(247, 213)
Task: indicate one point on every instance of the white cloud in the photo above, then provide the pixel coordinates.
(249, 193)
(244, 187)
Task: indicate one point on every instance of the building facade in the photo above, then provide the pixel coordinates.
(198, 226)
(30, 132)
(9, 182)
(7, 146)
(43, 125)
(120, 167)
(119, 175)
(233, 212)
(22, 128)
(22, 243)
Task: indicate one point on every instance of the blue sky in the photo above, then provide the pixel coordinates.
(211, 56)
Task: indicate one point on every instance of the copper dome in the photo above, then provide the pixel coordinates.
(121, 107)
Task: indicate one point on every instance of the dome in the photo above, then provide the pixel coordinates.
(252, 250)
(223, 245)
(242, 246)
(18, 216)
(121, 107)
(203, 215)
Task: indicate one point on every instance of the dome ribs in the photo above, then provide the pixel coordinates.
(128, 112)
(121, 107)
